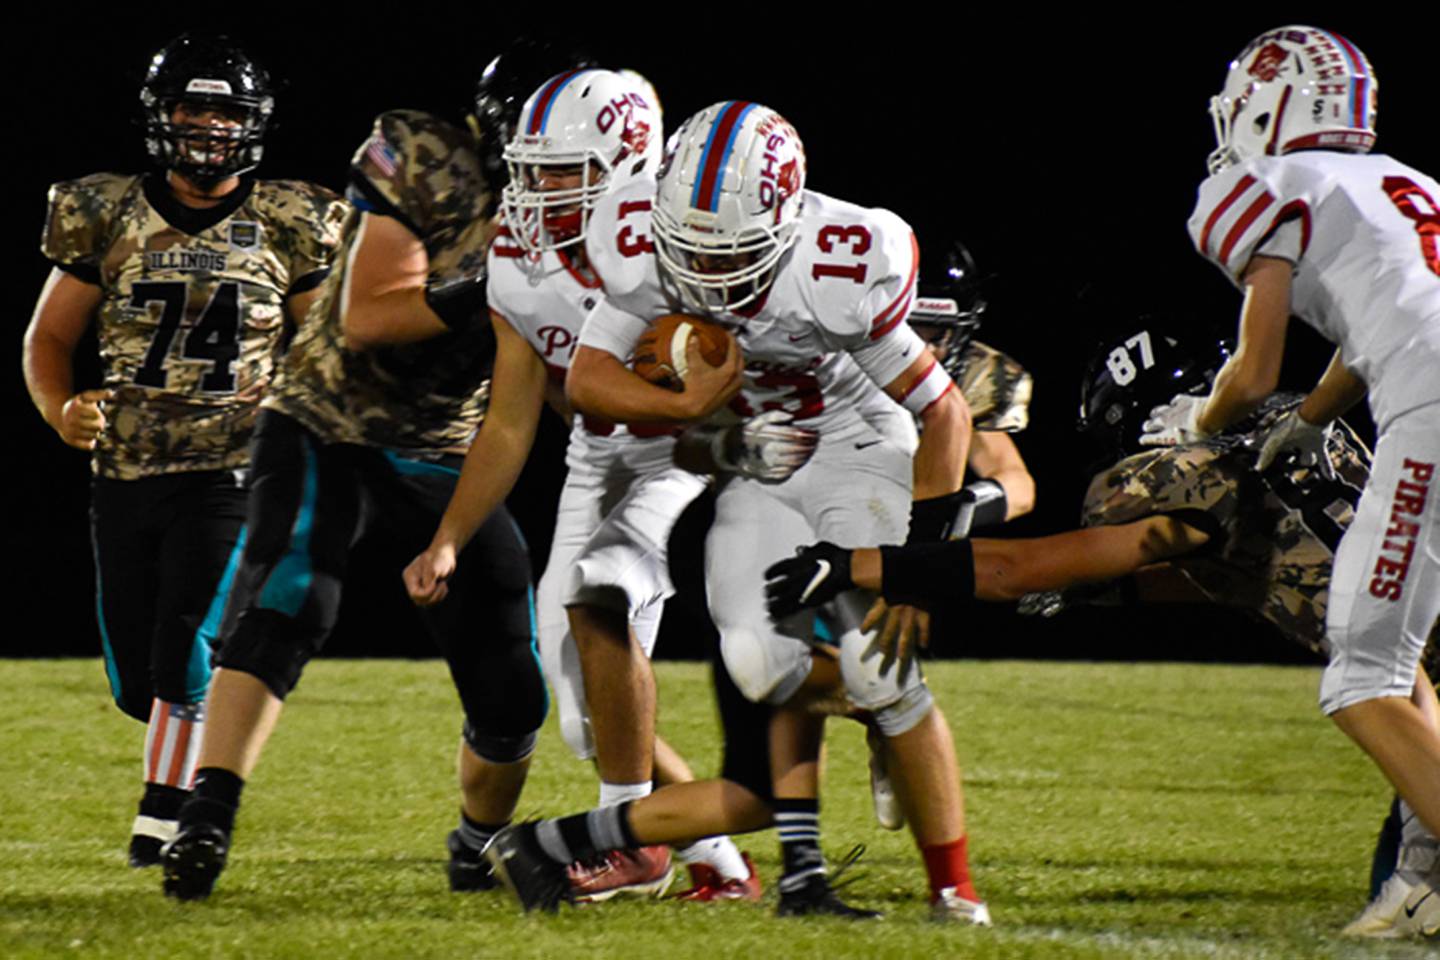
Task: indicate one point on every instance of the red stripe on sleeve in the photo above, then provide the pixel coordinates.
(939, 398)
(915, 384)
(1289, 212)
(1248, 217)
(902, 301)
(1246, 182)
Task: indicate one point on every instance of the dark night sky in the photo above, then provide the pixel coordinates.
(1064, 153)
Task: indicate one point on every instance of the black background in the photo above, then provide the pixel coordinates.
(1065, 153)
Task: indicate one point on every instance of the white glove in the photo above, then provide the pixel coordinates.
(767, 448)
(1302, 441)
(1174, 423)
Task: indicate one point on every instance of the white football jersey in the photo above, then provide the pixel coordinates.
(1362, 233)
(829, 331)
(546, 302)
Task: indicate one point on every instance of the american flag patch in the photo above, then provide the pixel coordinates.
(382, 156)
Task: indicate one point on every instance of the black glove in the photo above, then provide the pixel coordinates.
(815, 575)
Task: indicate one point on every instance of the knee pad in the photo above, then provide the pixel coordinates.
(765, 669)
(499, 749)
(904, 714)
(270, 647)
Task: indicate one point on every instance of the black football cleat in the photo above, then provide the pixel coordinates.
(817, 899)
(538, 882)
(193, 861)
(468, 869)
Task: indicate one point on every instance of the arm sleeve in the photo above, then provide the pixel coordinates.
(613, 330)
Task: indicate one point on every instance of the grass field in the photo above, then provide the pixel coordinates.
(1115, 811)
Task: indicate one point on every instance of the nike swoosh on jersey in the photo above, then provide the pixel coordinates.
(822, 573)
(867, 443)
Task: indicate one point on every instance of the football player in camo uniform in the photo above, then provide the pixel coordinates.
(582, 134)
(193, 274)
(363, 434)
(817, 291)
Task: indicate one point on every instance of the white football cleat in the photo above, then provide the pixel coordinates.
(950, 907)
(1401, 909)
(882, 791)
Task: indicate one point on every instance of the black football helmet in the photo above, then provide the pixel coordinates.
(504, 87)
(206, 73)
(947, 313)
(1131, 374)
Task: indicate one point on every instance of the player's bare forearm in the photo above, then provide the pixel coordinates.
(944, 446)
(1253, 373)
(62, 313)
(1337, 391)
(994, 456)
(502, 445)
(600, 385)
(1006, 570)
(382, 298)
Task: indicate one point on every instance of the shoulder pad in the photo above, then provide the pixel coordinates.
(78, 220)
(420, 170)
(307, 220)
(996, 388)
(1238, 208)
(856, 267)
(621, 248)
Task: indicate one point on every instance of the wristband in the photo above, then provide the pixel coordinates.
(458, 303)
(928, 575)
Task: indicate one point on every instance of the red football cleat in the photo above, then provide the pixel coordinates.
(644, 872)
(707, 886)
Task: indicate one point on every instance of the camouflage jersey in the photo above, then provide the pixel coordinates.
(996, 388)
(425, 398)
(1273, 537)
(193, 307)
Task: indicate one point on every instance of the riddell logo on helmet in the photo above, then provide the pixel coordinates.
(202, 85)
(1266, 65)
(1393, 564)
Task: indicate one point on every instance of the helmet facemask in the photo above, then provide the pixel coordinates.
(716, 274)
(543, 217)
(206, 153)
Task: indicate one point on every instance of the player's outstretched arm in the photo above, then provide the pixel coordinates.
(600, 385)
(496, 456)
(61, 315)
(1249, 376)
(956, 571)
(383, 301)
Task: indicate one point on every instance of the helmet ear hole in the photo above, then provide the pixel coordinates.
(1261, 124)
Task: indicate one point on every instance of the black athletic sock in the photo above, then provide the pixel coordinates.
(798, 824)
(586, 835)
(476, 835)
(162, 802)
(215, 799)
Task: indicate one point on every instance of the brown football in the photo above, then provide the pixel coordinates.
(662, 351)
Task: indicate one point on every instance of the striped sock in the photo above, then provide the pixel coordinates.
(798, 824)
(172, 743)
(584, 835)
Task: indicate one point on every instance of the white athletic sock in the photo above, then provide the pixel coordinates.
(719, 853)
(613, 793)
(172, 743)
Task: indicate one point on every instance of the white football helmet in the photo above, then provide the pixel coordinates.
(1290, 89)
(728, 205)
(580, 134)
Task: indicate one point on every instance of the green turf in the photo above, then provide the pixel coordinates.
(1115, 811)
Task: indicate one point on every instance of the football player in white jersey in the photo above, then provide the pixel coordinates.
(582, 134)
(1306, 221)
(817, 291)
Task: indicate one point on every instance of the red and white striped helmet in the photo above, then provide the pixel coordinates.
(728, 205)
(604, 124)
(1291, 89)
